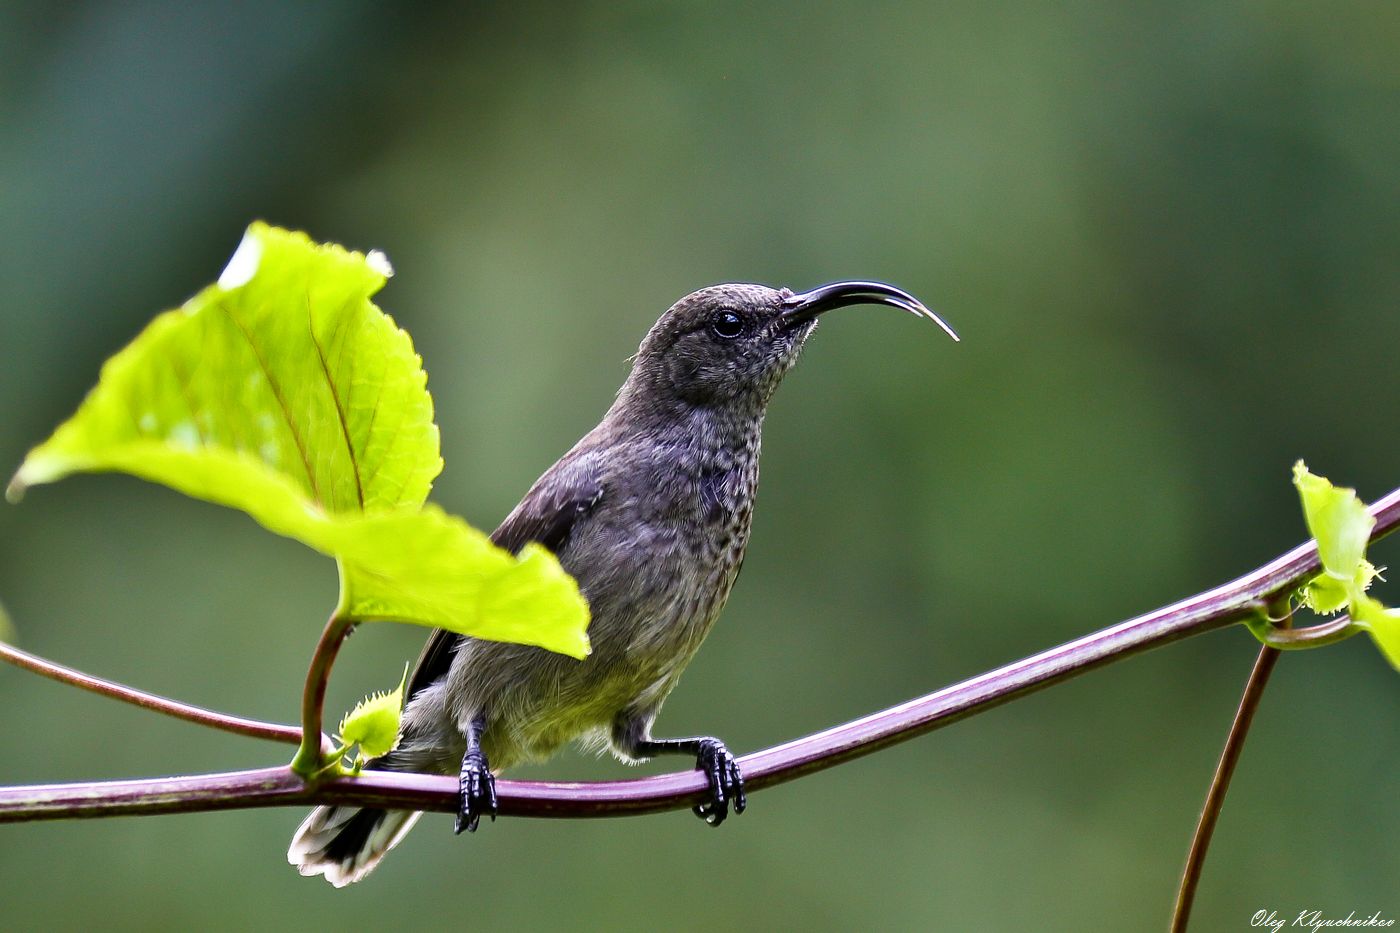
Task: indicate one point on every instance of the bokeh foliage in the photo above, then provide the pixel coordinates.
(1165, 231)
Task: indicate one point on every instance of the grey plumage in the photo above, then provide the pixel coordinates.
(650, 511)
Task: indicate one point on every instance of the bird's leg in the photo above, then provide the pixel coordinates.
(726, 780)
(476, 793)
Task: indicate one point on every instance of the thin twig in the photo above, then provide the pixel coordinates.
(1220, 781)
(1208, 611)
(236, 724)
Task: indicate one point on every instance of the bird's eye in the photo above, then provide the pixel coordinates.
(727, 324)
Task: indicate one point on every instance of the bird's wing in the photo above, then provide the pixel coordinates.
(547, 515)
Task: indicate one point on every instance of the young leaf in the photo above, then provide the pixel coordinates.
(282, 391)
(1326, 594)
(374, 723)
(1337, 519)
(1382, 624)
(1342, 527)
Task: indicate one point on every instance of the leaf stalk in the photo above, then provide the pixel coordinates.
(312, 753)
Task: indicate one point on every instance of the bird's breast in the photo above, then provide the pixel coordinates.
(658, 561)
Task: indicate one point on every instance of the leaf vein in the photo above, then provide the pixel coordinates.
(339, 406)
(281, 401)
(373, 419)
(183, 378)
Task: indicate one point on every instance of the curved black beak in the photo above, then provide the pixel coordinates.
(807, 305)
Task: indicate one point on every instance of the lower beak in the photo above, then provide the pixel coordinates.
(807, 305)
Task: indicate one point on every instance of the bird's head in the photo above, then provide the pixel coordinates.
(728, 346)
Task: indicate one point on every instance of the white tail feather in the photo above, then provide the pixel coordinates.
(308, 851)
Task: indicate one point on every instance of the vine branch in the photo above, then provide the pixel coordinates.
(1224, 771)
(1208, 611)
(66, 675)
(1313, 636)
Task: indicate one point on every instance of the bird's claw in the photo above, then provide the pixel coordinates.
(726, 782)
(476, 793)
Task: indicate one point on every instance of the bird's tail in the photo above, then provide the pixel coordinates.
(346, 843)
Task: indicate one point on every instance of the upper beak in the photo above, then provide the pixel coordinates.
(807, 305)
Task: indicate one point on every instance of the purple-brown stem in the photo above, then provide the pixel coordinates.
(1208, 611)
(1312, 636)
(1224, 771)
(67, 675)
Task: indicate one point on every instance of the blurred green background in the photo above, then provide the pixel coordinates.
(1168, 233)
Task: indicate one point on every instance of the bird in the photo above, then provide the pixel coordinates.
(650, 511)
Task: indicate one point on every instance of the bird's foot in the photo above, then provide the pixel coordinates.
(726, 782)
(476, 794)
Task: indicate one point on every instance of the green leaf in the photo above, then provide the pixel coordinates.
(284, 373)
(1337, 519)
(373, 724)
(283, 391)
(1382, 624)
(7, 628)
(426, 566)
